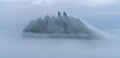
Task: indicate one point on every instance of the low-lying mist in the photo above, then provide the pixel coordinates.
(12, 45)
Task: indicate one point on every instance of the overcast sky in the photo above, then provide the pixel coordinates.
(16, 14)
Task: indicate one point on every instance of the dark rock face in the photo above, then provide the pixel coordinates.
(61, 24)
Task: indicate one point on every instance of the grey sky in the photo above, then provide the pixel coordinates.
(16, 14)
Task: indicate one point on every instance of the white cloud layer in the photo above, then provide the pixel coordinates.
(89, 3)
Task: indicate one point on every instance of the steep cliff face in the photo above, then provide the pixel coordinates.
(61, 24)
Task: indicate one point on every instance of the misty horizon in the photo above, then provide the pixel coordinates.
(98, 17)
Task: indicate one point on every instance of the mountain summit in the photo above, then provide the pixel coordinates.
(60, 26)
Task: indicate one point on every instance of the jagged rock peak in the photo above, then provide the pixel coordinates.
(59, 13)
(61, 16)
(47, 17)
(64, 14)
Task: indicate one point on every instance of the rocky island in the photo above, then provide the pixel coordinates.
(62, 26)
